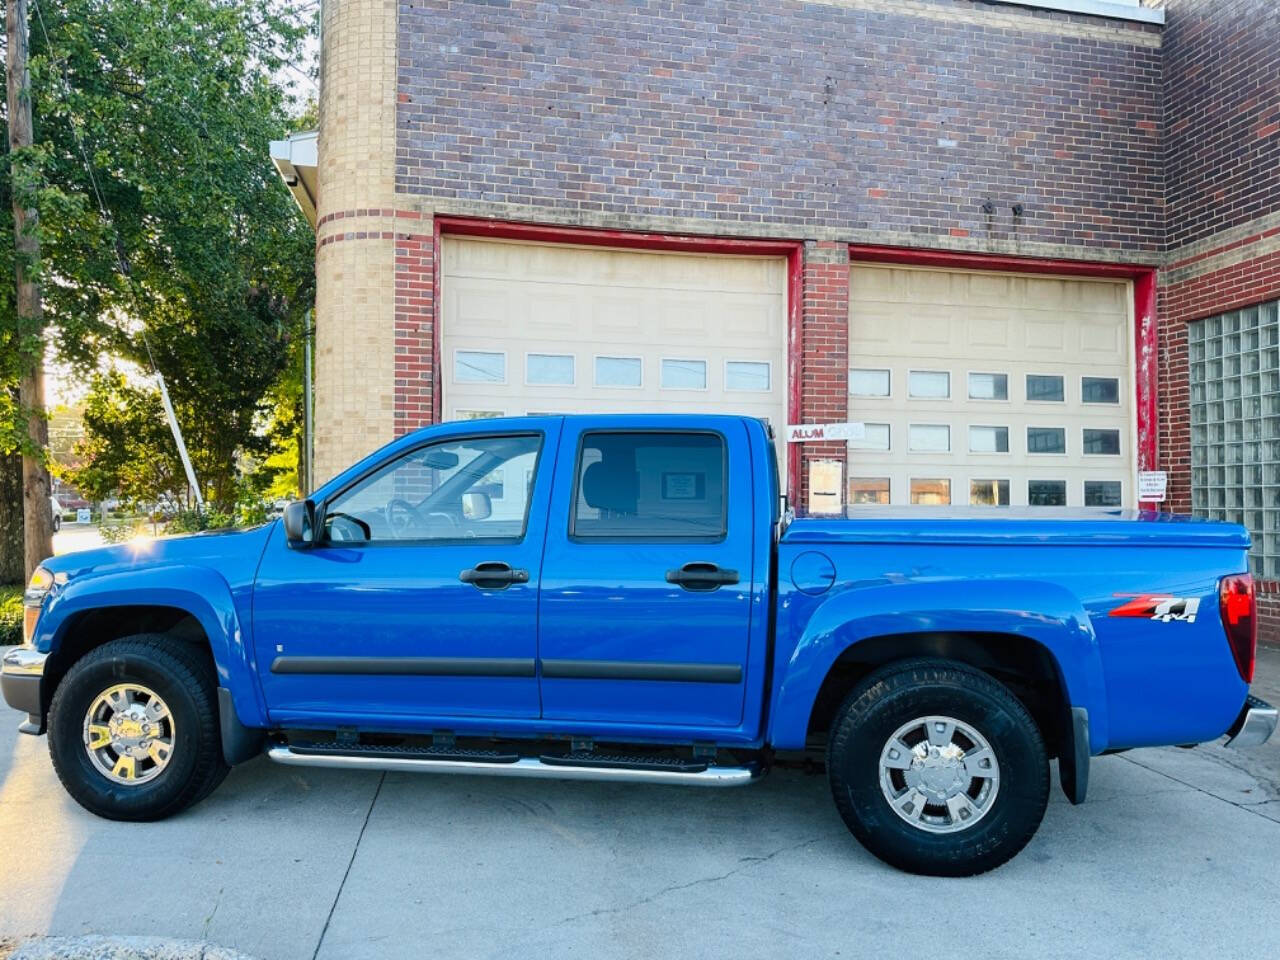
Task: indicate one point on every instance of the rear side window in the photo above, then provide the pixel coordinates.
(650, 486)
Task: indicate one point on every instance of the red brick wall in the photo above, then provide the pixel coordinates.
(1269, 613)
(824, 393)
(415, 330)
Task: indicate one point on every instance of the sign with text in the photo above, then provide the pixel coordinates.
(1152, 485)
(820, 432)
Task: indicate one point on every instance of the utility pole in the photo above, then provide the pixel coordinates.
(37, 515)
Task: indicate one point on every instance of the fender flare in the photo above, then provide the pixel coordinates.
(1047, 614)
(198, 591)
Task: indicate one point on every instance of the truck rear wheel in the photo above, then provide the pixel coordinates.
(133, 728)
(937, 768)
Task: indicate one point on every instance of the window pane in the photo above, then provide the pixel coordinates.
(1102, 442)
(651, 485)
(1047, 493)
(549, 369)
(1044, 388)
(869, 383)
(988, 439)
(684, 374)
(1102, 493)
(863, 490)
(928, 438)
(1100, 390)
(988, 386)
(473, 366)
(464, 490)
(876, 438)
(929, 384)
(933, 492)
(745, 375)
(1046, 440)
(618, 371)
(989, 493)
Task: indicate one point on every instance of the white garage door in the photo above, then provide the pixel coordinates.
(545, 328)
(990, 388)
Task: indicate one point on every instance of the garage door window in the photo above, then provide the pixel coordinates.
(1103, 493)
(875, 437)
(1100, 390)
(931, 491)
(988, 386)
(868, 490)
(650, 486)
(684, 374)
(988, 439)
(618, 372)
(989, 493)
(928, 438)
(549, 369)
(929, 384)
(747, 375)
(475, 366)
(1044, 388)
(1046, 440)
(869, 383)
(1102, 442)
(1047, 493)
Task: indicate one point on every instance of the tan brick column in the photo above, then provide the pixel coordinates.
(355, 255)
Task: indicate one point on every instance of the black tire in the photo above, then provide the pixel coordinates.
(182, 675)
(896, 695)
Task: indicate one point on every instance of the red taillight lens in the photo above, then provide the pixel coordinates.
(1238, 604)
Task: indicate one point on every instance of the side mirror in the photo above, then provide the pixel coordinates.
(476, 506)
(300, 524)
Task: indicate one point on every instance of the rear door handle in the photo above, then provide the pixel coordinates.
(493, 575)
(701, 576)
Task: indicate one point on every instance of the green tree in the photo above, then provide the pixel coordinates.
(172, 102)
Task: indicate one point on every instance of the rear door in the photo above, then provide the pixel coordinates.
(647, 582)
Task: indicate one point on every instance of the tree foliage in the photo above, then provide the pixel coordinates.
(173, 103)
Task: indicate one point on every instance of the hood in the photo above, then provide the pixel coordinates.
(230, 552)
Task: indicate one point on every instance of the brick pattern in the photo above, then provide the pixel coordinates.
(1269, 613)
(824, 357)
(1222, 114)
(901, 118)
(415, 371)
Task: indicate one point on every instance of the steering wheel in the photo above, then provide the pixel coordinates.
(402, 518)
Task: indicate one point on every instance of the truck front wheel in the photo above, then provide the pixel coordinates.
(133, 728)
(937, 768)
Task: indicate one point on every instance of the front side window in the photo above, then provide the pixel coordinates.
(651, 486)
(476, 488)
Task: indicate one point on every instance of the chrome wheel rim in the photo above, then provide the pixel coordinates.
(939, 774)
(129, 734)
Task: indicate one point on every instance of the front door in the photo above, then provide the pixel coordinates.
(420, 598)
(646, 596)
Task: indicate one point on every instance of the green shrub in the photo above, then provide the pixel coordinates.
(10, 615)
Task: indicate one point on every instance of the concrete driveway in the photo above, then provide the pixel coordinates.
(1175, 855)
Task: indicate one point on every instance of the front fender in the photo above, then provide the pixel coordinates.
(1047, 613)
(199, 591)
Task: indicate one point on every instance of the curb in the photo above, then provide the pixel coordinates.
(122, 948)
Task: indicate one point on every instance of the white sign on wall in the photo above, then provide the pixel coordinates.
(819, 432)
(1152, 485)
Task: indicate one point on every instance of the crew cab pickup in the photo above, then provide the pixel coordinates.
(626, 598)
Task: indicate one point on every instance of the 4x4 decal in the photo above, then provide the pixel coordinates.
(1153, 606)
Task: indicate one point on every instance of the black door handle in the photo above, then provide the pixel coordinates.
(702, 576)
(493, 575)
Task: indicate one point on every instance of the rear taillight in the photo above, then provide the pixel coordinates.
(1238, 604)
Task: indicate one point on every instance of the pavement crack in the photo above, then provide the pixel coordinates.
(346, 873)
(745, 863)
(1235, 803)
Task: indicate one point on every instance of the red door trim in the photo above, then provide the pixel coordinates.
(793, 250)
(1145, 322)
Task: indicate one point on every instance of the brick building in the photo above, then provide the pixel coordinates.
(1033, 246)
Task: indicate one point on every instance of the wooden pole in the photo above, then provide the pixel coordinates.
(37, 513)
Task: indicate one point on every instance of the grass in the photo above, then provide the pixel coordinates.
(11, 614)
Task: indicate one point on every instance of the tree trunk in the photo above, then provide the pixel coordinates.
(12, 567)
(36, 488)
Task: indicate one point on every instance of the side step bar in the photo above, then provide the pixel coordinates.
(559, 768)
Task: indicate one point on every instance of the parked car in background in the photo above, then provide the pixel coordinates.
(623, 598)
(56, 507)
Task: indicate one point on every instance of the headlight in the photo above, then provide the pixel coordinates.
(38, 588)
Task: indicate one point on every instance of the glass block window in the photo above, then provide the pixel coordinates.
(1234, 371)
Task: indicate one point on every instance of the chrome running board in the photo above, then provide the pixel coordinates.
(712, 776)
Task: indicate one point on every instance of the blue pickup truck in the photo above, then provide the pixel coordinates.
(627, 598)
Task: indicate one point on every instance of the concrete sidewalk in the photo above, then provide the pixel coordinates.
(1174, 855)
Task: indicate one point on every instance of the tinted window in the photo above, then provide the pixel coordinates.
(467, 489)
(668, 486)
